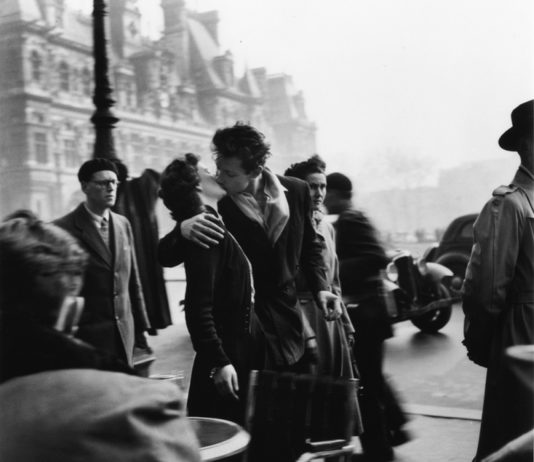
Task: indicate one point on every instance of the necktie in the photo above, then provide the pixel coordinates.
(104, 230)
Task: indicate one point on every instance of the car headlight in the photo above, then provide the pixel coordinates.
(391, 272)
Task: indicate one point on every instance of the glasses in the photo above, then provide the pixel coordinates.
(106, 183)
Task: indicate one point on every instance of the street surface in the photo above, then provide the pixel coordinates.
(433, 369)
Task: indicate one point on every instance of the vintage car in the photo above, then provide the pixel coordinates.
(454, 249)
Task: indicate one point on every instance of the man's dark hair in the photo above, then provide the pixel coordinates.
(341, 183)
(178, 184)
(302, 169)
(97, 164)
(244, 142)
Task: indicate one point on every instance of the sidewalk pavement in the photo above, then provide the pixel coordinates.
(436, 438)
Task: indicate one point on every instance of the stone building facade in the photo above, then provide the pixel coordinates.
(171, 94)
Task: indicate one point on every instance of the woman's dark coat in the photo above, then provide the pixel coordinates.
(218, 308)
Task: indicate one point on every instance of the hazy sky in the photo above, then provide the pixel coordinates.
(436, 79)
(430, 79)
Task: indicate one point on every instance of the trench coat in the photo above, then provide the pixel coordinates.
(114, 305)
(84, 415)
(499, 285)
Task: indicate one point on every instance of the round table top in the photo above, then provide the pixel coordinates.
(218, 438)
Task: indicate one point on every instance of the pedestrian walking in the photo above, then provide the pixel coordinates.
(361, 257)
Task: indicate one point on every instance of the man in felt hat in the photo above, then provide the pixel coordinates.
(114, 317)
(498, 299)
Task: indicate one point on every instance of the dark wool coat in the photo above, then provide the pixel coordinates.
(137, 200)
(29, 348)
(218, 311)
(275, 270)
(114, 306)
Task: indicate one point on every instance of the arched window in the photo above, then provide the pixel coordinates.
(37, 66)
(86, 82)
(64, 83)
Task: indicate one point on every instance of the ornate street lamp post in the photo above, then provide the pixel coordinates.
(103, 118)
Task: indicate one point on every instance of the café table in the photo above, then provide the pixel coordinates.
(219, 438)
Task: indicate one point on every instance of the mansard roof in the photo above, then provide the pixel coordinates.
(209, 51)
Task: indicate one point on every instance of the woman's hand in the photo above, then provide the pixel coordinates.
(225, 380)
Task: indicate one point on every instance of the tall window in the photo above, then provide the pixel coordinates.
(37, 66)
(64, 83)
(130, 98)
(41, 147)
(86, 82)
(71, 158)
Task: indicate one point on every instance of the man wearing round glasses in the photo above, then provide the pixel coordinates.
(115, 317)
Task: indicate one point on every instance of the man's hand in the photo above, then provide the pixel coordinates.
(203, 229)
(225, 380)
(330, 304)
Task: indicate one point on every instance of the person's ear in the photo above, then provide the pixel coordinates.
(84, 185)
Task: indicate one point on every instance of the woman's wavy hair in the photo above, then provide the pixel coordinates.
(302, 169)
(244, 142)
(178, 187)
(30, 248)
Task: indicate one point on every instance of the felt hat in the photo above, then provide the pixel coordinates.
(522, 125)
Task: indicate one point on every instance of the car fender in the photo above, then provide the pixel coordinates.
(437, 271)
(452, 259)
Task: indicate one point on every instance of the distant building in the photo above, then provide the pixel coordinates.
(171, 94)
(400, 213)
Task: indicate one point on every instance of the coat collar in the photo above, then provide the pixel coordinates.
(524, 179)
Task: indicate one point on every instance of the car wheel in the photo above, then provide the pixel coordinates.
(433, 321)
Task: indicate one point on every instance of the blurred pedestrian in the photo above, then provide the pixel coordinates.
(41, 274)
(361, 257)
(498, 299)
(136, 200)
(334, 337)
(114, 318)
(218, 296)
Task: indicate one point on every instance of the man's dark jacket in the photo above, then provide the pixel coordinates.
(114, 308)
(275, 269)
